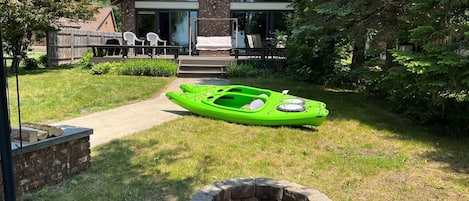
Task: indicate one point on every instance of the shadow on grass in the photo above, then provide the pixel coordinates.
(139, 176)
(38, 71)
(349, 105)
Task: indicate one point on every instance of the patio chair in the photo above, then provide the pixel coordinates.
(154, 41)
(131, 39)
(254, 41)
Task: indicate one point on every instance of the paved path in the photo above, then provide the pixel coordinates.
(135, 117)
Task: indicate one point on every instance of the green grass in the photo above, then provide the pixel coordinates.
(52, 95)
(362, 152)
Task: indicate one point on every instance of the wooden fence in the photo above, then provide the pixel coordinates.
(67, 46)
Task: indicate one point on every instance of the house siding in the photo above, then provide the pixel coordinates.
(108, 24)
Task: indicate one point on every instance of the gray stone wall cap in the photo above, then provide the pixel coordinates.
(202, 197)
(211, 189)
(272, 182)
(239, 182)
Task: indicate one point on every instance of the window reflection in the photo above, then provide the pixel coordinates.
(146, 23)
(180, 28)
(264, 23)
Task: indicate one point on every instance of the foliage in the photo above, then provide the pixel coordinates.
(20, 19)
(360, 79)
(142, 67)
(311, 59)
(431, 87)
(429, 84)
(43, 59)
(105, 68)
(30, 64)
(245, 71)
(432, 84)
(84, 62)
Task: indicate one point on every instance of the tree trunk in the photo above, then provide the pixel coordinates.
(391, 24)
(358, 56)
(389, 62)
(15, 64)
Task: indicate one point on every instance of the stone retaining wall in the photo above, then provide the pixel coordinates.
(257, 189)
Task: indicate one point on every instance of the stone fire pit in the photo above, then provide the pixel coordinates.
(257, 189)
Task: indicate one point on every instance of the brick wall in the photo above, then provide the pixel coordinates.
(221, 10)
(49, 165)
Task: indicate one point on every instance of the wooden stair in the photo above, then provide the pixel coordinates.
(203, 67)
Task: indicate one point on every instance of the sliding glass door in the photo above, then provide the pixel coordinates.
(264, 23)
(170, 25)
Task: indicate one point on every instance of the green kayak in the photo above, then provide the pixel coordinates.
(249, 105)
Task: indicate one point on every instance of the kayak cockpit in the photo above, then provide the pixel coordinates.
(237, 101)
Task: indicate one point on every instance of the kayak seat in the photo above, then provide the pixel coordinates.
(256, 104)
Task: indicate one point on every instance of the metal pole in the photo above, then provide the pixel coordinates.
(5, 141)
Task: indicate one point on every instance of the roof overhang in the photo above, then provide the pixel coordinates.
(195, 5)
(166, 5)
(260, 6)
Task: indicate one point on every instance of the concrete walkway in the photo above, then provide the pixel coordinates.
(135, 117)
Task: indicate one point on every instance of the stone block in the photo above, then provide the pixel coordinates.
(241, 188)
(202, 197)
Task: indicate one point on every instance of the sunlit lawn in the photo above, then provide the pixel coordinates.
(362, 152)
(50, 95)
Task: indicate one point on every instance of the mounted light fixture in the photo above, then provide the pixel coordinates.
(214, 5)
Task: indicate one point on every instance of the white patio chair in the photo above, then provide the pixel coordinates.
(131, 38)
(154, 40)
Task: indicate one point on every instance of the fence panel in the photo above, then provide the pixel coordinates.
(67, 46)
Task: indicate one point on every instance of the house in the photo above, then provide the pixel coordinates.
(178, 21)
(103, 21)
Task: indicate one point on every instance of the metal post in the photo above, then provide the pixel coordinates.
(5, 141)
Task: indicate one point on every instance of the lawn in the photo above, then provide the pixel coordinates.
(362, 152)
(51, 95)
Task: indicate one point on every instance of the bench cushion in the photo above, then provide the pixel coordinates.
(213, 43)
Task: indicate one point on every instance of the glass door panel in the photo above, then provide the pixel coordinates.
(146, 22)
(180, 28)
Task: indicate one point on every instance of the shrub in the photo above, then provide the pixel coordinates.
(30, 64)
(43, 59)
(361, 79)
(140, 67)
(431, 87)
(148, 67)
(105, 68)
(85, 60)
(244, 71)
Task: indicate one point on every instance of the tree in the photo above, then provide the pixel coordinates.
(20, 18)
(431, 84)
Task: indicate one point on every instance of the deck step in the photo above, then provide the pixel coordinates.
(198, 67)
(202, 65)
(199, 72)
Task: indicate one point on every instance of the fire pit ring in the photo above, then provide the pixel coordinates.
(257, 189)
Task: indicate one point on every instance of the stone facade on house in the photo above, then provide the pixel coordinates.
(128, 15)
(219, 13)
